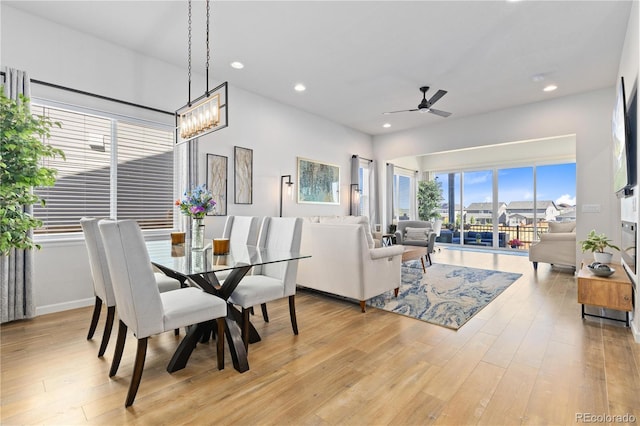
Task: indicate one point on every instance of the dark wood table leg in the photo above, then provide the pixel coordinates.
(233, 332)
(236, 315)
(187, 345)
(236, 346)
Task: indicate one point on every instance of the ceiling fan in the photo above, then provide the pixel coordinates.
(425, 105)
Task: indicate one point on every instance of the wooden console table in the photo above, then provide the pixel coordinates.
(614, 292)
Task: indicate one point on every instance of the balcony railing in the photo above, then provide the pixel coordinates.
(524, 233)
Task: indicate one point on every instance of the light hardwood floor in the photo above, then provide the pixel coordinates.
(527, 358)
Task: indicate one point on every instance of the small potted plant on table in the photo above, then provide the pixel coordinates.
(515, 243)
(597, 243)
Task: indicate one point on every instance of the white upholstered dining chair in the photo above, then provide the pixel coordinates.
(141, 306)
(271, 281)
(241, 231)
(102, 286)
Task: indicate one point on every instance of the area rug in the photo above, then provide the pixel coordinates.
(445, 295)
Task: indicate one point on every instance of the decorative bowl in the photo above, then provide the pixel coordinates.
(602, 270)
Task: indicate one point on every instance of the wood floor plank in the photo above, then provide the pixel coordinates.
(511, 397)
(527, 358)
(467, 405)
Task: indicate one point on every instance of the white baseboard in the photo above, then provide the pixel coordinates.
(59, 307)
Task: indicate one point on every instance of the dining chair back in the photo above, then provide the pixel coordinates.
(102, 288)
(241, 230)
(102, 285)
(141, 306)
(282, 234)
(271, 281)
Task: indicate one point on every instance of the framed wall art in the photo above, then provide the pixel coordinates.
(217, 183)
(243, 175)
(318, 183)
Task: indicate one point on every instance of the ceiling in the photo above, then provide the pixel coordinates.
(359, 59)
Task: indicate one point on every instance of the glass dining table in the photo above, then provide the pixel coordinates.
(200, 266)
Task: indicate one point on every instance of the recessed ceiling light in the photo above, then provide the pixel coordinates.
(550, 88)
(237, 65)
(386, 125)
(299, 87)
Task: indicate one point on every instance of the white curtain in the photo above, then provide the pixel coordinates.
(16, 269)
(389, 195)
(373, 193)
(354, 201)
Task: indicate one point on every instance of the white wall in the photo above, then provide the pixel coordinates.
(629, 69)
(516, 154)
(276, 133)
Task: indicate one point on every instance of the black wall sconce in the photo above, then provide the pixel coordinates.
(289, 184)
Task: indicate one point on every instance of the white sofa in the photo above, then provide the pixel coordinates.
(344, 260)
(557, 247)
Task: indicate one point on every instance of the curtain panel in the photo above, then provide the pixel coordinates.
(16, 269)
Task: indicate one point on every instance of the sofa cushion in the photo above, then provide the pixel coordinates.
(555, 227)
(416, 234)
(312, 219)
(361, 220)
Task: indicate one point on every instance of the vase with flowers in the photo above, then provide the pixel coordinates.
(196, 204)
(515, 243)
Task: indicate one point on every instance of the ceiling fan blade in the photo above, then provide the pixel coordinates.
(404, 110)
(438, 112)
(437, 96)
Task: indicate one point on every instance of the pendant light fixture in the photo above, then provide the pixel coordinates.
(207, 113)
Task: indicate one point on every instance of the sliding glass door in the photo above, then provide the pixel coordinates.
(515, 192)
(506, 207)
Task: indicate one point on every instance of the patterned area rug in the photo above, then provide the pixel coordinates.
(445, 295)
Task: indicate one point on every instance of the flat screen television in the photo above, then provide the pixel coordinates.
(623, 152)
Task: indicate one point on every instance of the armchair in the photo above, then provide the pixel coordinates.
(418, 233)
(409, 232)
(558, 246)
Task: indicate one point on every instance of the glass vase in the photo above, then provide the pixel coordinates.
(197, 234)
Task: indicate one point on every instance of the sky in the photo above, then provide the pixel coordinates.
(555, 182)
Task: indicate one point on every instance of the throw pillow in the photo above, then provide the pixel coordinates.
(555, 227)
(416, 234)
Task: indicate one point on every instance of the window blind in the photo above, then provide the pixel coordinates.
(145, 176)
(141, 173)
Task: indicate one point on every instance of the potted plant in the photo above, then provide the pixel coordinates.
(597, 243)
(515, 243)
(21, 152)
(429, 199)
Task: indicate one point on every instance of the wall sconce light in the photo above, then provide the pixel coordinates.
(289, 184)
(354, 200)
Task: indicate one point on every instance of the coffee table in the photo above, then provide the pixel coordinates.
(413, 253)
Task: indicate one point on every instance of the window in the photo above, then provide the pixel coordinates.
(115, 168)
(364, 179)
(404, 193)
(527, 198)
